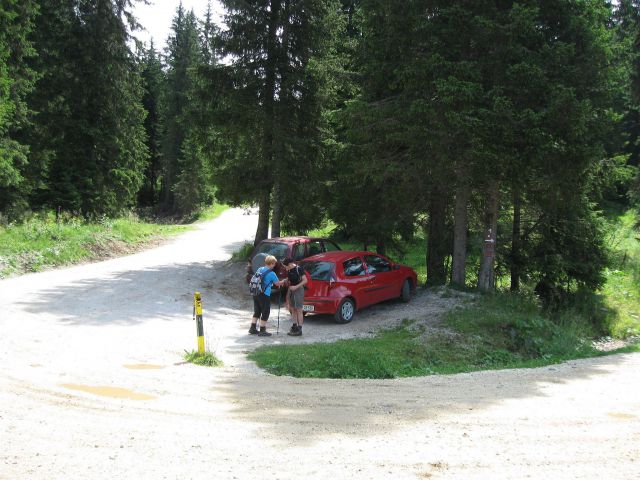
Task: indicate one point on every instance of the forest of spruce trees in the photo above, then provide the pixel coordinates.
(462, 121)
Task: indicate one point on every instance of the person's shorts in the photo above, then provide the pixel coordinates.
(296, 298)
(262, 307)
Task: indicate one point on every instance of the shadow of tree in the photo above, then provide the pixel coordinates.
(307, 410)
(131, 297)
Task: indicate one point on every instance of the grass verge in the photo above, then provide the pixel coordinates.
(242, 254)
(621, 291)
(496, 332)
(206, 359)
(211, 212)
(41, 242)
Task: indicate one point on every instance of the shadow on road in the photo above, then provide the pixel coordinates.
(304, 411)
(135, 296)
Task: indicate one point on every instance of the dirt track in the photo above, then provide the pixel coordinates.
(92, 386)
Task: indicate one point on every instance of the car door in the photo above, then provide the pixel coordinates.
(357, 280)
(383, 282)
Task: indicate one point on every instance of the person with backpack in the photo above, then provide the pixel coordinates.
(260, 287)
(296, 280)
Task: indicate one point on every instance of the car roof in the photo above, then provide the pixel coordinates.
(337, 256)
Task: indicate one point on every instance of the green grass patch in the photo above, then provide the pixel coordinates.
(211, 212)
(41, 242)
(515, 323)
(242, 255)
(621, 291)
(633, 348)
(327, 230)
(381, 357)
(495, 332)
(206, 359)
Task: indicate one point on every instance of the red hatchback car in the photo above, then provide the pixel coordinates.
(343, 282)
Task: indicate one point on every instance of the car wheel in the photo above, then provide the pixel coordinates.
(346, 311)
(405, 294)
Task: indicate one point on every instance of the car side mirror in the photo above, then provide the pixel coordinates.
(396, 267)
(332, 282)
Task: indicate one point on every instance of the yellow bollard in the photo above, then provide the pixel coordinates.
(197, 312)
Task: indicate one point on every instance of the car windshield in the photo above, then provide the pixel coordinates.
(278, 250)
(319, 270)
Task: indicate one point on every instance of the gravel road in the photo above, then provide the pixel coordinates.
(92, 385)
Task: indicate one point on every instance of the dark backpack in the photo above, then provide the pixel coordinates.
(255, 284)
(295, 275)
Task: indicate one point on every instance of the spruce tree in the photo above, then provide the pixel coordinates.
(493, 101)
(89, 128)
(210, 37)
(625, 143)
(184, 188)
(154, 80)
(275, 97)
(16, 81)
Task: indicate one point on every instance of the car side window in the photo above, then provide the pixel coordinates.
(330, 246)
(353, 267)
(376, 264)
(315, 248)
(298, 251)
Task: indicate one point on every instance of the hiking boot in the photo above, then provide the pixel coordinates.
(295, 333)
(264, 333)
(253, 330)
(294, 328)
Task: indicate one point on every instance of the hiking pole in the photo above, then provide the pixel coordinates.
(279, 297)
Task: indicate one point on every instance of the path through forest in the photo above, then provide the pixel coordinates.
(92, 385)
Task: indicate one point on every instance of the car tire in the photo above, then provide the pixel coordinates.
(346, 311)
(405, 293)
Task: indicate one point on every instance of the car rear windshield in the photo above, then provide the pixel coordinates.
(278, 250)
(319, 270)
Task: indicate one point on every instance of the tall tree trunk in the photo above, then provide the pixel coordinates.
(280, 54)
(516, 244)
(276, 215)
(381, 247)
(264, 208)
(460, 225)
(486, 276)
(269, 122)
(436, 242)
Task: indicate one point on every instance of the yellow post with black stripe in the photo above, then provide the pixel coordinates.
(197, 312)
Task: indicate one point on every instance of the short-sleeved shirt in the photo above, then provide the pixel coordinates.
(267, 280)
